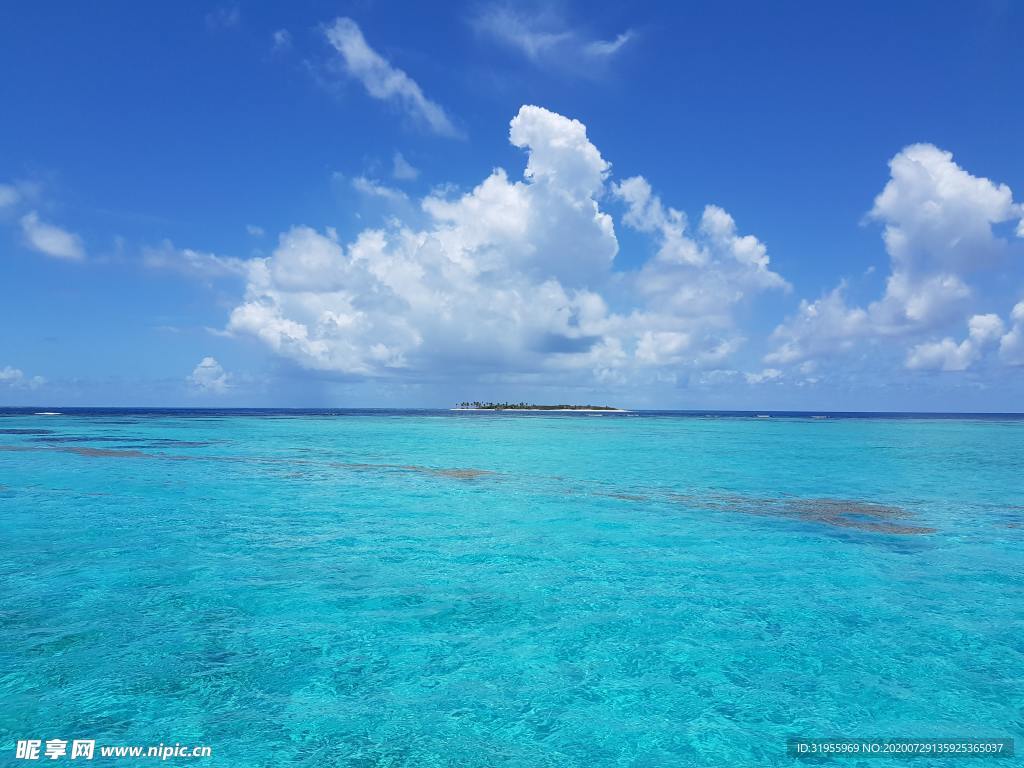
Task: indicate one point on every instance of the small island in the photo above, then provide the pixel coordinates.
(478, 406)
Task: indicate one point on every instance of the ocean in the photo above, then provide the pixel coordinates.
(429, 588)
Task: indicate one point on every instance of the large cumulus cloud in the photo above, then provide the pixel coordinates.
(514, 275)
(940, 232)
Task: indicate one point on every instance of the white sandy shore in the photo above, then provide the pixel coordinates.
(547, 410)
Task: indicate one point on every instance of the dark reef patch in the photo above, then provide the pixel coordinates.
(625, 496)
(458, 474)
(84, 439)
(857, 515)
(108, 453)
(455, 473)
(163, 442)
(160, 442)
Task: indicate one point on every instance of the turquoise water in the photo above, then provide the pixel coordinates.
(439, 589)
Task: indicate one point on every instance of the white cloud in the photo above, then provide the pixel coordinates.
(281, 40)
(401, 168)
(820, 327)
(546, 39)
(647, 214)
(9, 195)
(947, 355)
(718, 351)
(512, 277)
(208, 377)
(254, 230)
(700, 275)
(938, 216)
(765, 376)
(51, 240)
(384, 81)
(1011, 346)
(984, 330)
(16, 379)
(560, 154)
(938, 232)
(194, 263)
(662, 347)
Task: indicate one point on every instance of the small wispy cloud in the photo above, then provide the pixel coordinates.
(9, 195)
(608, 47)
(223, 17)
(547, 39)
(50, 239)
(281, 40)
(383, 81)
(521, 32)
(373, 188)
(193, 263)
(402, 169)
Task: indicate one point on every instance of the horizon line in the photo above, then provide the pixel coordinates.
(69, 408)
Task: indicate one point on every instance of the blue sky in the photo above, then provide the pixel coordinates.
(729, 205)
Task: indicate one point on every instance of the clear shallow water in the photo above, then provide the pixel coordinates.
(474, 589)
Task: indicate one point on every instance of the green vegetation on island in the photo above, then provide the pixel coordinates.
(478, 406)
